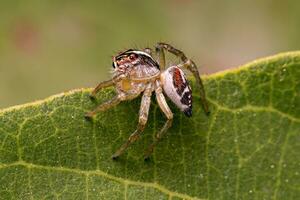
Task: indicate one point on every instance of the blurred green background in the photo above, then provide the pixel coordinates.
(47, 47)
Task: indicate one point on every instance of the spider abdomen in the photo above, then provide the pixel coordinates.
(177, 88)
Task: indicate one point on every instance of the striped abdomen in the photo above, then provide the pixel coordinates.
(177, 88)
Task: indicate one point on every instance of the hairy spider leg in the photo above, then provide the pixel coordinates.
(187, 63)
(191, 66)
(105, 84)
(104, 106)
(160, 98)
(160, 56)
(111, 103)
(143, 117)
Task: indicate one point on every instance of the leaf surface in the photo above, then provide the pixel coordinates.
(247, 148)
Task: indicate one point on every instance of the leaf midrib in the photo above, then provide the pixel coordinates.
(103, 174)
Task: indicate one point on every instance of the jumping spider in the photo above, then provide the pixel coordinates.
(136, 72)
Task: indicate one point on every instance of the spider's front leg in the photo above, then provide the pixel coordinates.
(105, 84)
(187, 63)
(143, 117)
(167, 111)
(110, 103)
(106, 105)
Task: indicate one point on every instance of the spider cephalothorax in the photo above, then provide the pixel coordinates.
(137, 72)
(131, 58)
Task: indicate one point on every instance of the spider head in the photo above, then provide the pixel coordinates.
(130, 58)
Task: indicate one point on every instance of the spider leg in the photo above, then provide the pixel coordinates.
(105, 84)
(161, 55)
(166, 110)
(111, 103)
(191, 66)
(106, 105)
(143, 117)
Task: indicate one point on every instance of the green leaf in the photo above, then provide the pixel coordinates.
(247, 148)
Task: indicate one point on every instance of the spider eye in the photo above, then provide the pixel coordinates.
(132, 56)
(113, 64)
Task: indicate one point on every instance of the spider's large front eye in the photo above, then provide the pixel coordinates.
(132, 57)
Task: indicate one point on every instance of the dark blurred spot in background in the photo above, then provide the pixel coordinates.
(47, 47)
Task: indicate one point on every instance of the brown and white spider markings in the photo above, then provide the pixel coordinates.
(136, 72)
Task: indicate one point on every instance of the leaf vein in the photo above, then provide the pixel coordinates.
(154, 185)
